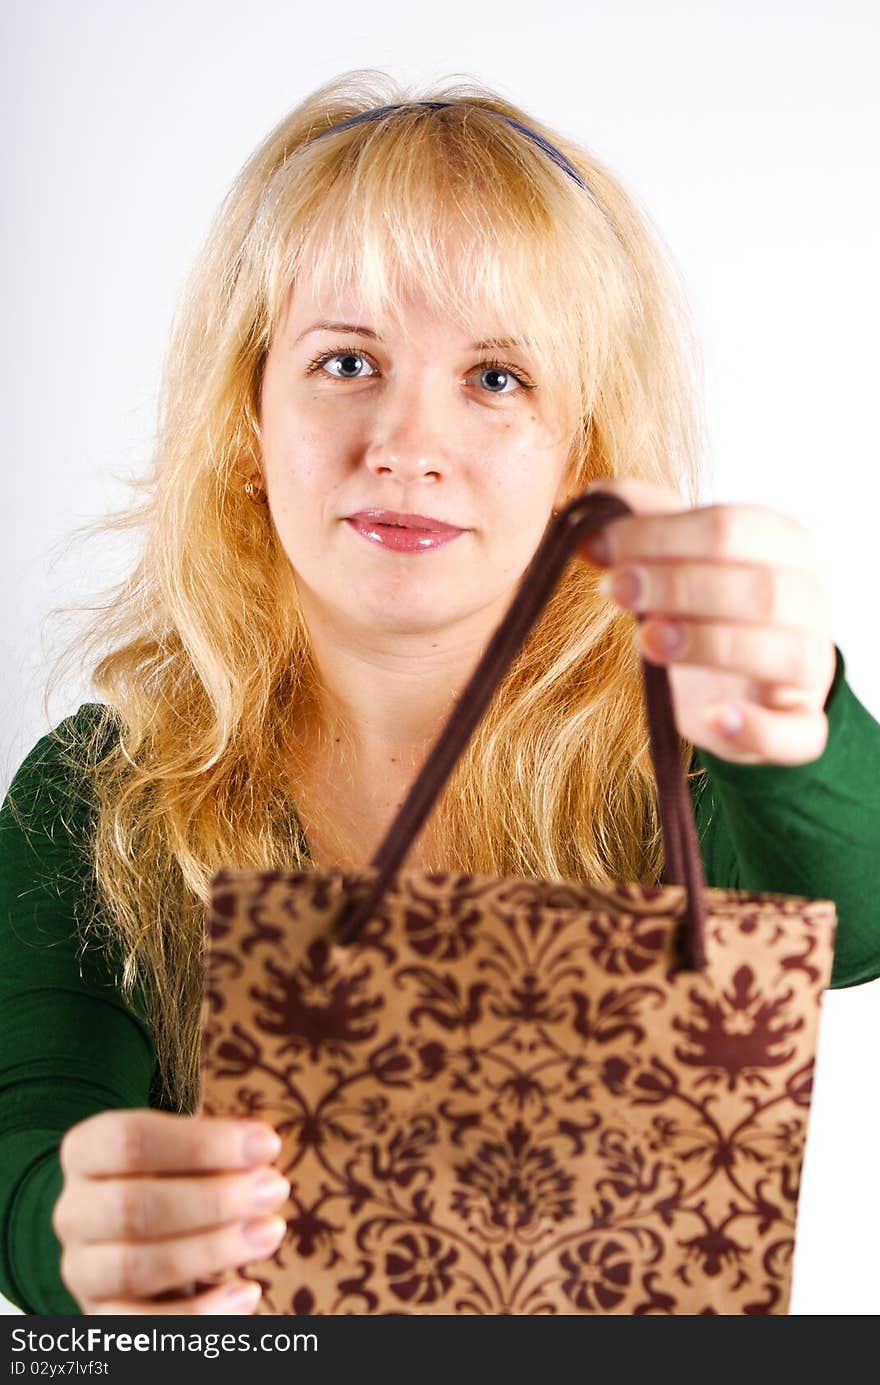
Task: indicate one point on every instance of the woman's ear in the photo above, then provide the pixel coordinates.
(562, 497)
(566, 489)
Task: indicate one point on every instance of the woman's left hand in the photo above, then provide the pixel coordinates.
(741, 585)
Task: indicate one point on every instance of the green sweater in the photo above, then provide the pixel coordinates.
(71, 1045)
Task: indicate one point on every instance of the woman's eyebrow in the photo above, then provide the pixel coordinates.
(489, 344)
(339, 327)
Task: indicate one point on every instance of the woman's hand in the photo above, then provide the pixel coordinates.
(741, 585)
(152, 1202)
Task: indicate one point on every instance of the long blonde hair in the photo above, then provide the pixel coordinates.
(201, 657)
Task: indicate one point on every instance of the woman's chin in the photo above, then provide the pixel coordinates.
(399, 618)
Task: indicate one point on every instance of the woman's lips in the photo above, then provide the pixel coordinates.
(403, 540)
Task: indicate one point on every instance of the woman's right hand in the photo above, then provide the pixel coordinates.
(152, 1201)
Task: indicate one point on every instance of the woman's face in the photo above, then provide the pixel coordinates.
(407, 416)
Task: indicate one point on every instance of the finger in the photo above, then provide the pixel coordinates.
(142, 1209)
(645, 497)
(136, 1270)
(764, 595)
(233, 1296)
(664, 528)
(791, 663)
(766, 737)
(143, 1140)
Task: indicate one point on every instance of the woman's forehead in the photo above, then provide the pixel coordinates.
(311, 301)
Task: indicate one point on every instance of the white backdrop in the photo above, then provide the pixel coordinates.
(748, 131)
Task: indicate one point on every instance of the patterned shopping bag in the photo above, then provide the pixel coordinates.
(511, 1096)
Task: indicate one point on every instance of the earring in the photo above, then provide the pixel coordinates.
(254, 493)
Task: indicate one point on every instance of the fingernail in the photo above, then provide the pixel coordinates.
(264, 1233)
(261, 1146)
(243, 1296)
(726, 718)
(268, 1187)
(667, 638)
(597, 548)
(625, 586)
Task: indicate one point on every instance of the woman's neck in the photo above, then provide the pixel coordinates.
(385, 696)
(381, 703)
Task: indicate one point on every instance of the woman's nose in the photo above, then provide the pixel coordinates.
(410, 435)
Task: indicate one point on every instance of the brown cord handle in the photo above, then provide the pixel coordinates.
(683, 865)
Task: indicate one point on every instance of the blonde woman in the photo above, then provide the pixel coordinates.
(420, 324)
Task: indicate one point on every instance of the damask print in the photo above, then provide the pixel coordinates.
(598, 1275)
(622, 947)
(508, 1096)
(418, 1268)
(512, 1184)
(739, 1035)
(313, 1005)
(441, 934)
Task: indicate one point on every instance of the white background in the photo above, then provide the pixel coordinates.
(748, 130)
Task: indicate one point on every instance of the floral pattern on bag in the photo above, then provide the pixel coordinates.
(506, 1096)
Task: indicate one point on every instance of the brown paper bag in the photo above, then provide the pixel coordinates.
(512, 1096)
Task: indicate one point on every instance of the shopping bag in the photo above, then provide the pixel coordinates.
(518, 1096)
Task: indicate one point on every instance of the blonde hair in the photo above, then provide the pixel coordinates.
(201, 657)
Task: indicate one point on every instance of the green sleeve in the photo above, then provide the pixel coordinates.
(71, 1046)
(810, 829)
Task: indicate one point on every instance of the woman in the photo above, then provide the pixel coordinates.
(446, 314)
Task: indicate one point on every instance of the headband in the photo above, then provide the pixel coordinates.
(555, 154)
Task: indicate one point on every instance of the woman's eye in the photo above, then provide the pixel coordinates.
(497, 378)
(349, 362)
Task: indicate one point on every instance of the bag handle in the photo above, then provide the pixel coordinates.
(683, 864)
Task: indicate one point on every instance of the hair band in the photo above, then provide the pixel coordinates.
(555, 154)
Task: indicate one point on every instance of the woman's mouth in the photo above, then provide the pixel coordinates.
(402, 538)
